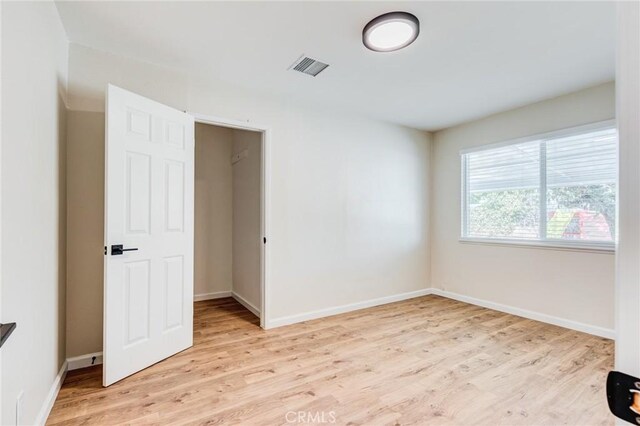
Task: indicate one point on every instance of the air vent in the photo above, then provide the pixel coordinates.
(308, 66)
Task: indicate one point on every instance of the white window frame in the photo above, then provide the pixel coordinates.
(590, 246)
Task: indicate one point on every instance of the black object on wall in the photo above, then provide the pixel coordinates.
(5, 331)
(623, 396)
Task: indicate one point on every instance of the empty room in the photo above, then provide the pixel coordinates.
(317, 212)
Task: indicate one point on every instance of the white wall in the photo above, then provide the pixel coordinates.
(1, 397)
(350, 195)
(247, 239)
(213, 210)
(575, 286)
(34, 78)
(628, 268)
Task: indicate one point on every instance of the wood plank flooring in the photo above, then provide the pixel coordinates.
(425, 361)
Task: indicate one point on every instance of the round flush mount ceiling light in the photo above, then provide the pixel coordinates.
(391, 31)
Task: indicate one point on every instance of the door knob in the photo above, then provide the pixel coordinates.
(118, 249)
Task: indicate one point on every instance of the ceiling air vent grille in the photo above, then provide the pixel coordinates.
(308, 66)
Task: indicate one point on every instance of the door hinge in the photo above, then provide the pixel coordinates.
(105, 249)
(264, 240)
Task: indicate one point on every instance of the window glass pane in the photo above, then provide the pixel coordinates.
(510, 214)
(581, 187)
(503, 195)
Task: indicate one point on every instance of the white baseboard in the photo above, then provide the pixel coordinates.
(52, 395)
(292, 319)
(537, 316)
(83, 361)
(210, 296)
(244, 302)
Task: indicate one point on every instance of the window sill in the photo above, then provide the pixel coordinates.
(546, 245)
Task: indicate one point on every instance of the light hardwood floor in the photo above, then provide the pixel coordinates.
(426, 361)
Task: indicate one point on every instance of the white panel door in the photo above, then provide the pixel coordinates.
(148, 285)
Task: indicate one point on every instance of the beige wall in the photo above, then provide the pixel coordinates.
(576, 286)
(34, 78)
(246, 217)
(360, 234)
(213, 210)
(85, 231)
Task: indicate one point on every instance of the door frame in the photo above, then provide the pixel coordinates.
(265, 197)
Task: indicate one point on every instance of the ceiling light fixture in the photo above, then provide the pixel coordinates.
(391, 31)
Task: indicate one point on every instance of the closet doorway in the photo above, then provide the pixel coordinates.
(229, 237)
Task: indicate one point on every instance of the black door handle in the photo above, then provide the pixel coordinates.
(118, 249)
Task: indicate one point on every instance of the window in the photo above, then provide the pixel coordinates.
(558, 189)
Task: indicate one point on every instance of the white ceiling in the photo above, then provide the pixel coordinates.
(472, 59)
